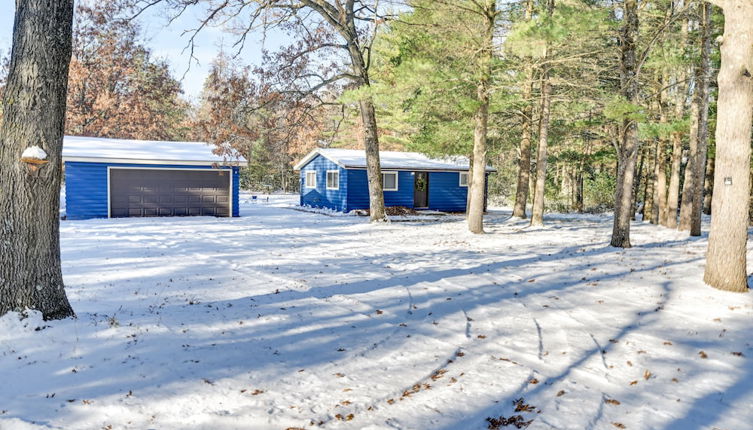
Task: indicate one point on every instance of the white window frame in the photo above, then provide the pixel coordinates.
(460, 179)
(307, 183)
(384, 188)
(337, 184)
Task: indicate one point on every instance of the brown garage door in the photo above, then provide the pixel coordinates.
(180, 192)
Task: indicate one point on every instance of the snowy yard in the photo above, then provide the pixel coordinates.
(284, 318)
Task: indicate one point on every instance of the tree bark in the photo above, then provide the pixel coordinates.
(369, 124)
(637, 184)
(537, 212)
(704, 77)
(34, 115)
(726, 255)
(692, 193)
(673, 194)
(524, 161)
(373, 167)
(708, 185)
(628, 147)
(648, 187)
(477, 186)
(689, 187)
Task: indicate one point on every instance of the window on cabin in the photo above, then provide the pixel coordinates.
(463, 179)
(311, 179)
(389, 181)
(333, 180)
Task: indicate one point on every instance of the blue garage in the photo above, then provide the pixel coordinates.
(114, 178)
(336, 179)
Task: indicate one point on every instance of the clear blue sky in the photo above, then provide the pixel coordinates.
(167, 42)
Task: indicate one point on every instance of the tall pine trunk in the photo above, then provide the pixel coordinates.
(34, 115)
(704, 77)
(726, 255)
(692, 195)
(477, 185)
(708, 185)
(537, 212)
(524, 161)
(689, 184)
(673, 194)
(628, 146)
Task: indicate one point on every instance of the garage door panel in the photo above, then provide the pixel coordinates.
(149, 192)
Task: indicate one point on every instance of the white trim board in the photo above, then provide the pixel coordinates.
(210, 169)
(208, 164)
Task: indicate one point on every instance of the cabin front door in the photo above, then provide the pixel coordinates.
(421, 190)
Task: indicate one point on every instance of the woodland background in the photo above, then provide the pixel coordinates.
(422, 72)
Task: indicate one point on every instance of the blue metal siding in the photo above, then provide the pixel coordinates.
(321, 197)
(445, 192)
(86, 187)
(358, 186)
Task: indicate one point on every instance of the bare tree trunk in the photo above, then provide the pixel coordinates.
(673, 192)
(628, 147)
(373, 167)
(692, 193)
(726, 255)
(477, 187)
(708, 185)
(648, 187)
(689, 187)
(673, 195)
(524, 161)
(637, 184)
(537, 213)
(702, 94)
(369, 124)
(657, 185)
(34, 115)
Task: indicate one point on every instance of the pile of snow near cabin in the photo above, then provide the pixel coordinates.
(286, 319)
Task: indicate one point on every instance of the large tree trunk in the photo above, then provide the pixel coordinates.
(726, 256)
(34, 115)
(537, 213)
(477, 185)
(373, 167)
(348, 31)
(524, 161)
(628, 147)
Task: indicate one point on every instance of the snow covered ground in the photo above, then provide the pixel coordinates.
(284, 318)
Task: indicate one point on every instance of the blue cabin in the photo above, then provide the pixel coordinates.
(336, 179)
(114, 178)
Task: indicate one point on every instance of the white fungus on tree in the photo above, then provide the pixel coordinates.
(34, 152)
